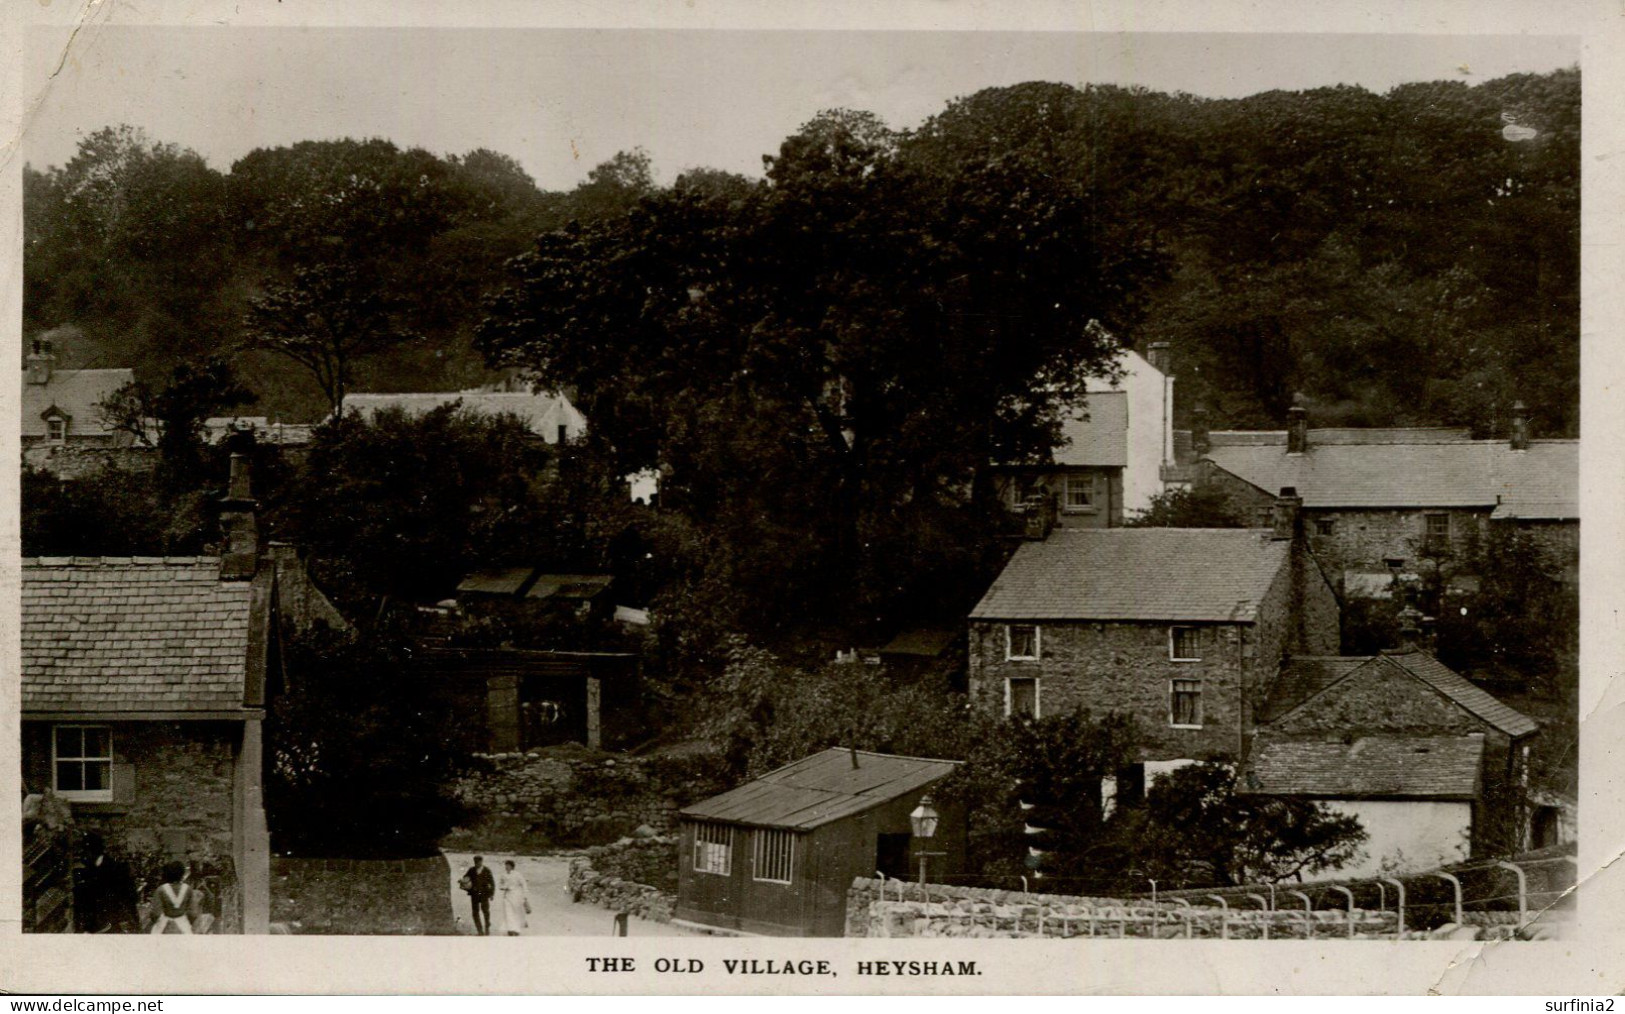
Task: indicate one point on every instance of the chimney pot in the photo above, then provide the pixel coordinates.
(1520, 427)
(1201, 441)
(1297, 430)
(240, 557)
(1288, 509)
(1160, 358)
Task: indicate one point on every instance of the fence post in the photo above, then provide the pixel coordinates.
(1224, 920)
(1308, 915)
(1350, 894)
(1400, 886)
(1523, 890)
(1264, 904)
(1187, 914)
(1457, 884)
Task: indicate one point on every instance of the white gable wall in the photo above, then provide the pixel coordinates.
(1407, 835)
(1150, 428)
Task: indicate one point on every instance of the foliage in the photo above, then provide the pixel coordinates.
(113, 512)
(761, 713)
(1199, 507)
(177, 412)
(361, 747)
(1523, 619)
(406, 506)
(1195, 830)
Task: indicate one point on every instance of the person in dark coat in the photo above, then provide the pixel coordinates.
(105, 895)
(481, 887)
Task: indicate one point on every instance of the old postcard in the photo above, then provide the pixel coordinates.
(1054, 498)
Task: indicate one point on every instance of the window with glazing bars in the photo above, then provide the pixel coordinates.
(713, 848)
(774, 855)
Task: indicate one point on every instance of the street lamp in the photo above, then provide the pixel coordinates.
(924, 821)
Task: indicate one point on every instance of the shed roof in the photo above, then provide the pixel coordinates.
(1371, 767)
(500, 581)
(923, 643)
(820, 789)
(1196, 574)
(569, 586)
(1540, 482)
(1302, 677)
(77, 394)
(134, 634)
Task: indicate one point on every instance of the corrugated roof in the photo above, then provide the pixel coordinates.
(133, 634)
(543, 413)
(1384, 767)
(1302, 677)
(1542, 481)
(1100, 440)
(78, 394)
(822, 788)
(1204, 574)
(1474, 699)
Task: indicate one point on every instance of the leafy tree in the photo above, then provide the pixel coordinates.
(361, 750)
(1198, 507)
(1195, 830)
(113, 512)
(172, 417)
(405, 506)
(325, 319)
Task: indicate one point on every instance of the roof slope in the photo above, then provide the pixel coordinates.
(1201, 574)
(822, 788)
(1372, 767)
(1541, 482)
(1472, 698)
(1302, 677)
(78, 393)
(543, 413)
(141, 634)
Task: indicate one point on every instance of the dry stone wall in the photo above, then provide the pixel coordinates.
(600, 876)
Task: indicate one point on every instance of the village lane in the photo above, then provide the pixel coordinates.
(552, 913)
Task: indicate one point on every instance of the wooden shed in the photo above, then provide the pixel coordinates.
(777, 856)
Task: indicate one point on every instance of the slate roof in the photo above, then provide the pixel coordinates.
(569, 586)
(1540, 482)
(141, 634)
(1345, 435)
(1303, 678)
(921, 643)
(543, 413)
(1371, 767)
(78, 393)
(1100, 440)
(820, 789)
(1196, 574)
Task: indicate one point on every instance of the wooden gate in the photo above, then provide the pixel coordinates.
(47, 884)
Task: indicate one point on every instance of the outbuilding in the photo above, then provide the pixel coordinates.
(777, 855)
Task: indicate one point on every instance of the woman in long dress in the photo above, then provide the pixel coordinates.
(515, 899)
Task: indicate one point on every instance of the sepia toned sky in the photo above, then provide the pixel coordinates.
(563, 100)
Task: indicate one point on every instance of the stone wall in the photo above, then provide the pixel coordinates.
(77, 461)
(1122, 667)
(362, 896)
(603, 876)
(575, 798)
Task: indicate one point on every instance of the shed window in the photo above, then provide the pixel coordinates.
(1079, 493)
(82, 762)
(774, 853)
(713, 848)
(1324, 526)
(1185, 644)
(1185, 710)
(1021, 643)
(1021, 697)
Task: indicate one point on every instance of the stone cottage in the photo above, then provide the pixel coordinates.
(1385, 503)
(62, 417)
(1184, 629)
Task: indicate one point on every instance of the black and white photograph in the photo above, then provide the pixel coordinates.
(727, 483)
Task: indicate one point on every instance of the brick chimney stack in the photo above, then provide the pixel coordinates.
(1520, 427)
(1297, 430)
(240, 556)
(1412, 636)
(40, 362)
(1286, 514)
(1160, 358)
(1201, 442)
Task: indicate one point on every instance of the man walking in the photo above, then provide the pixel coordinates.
(481, 887)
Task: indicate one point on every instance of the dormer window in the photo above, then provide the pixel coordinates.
(56, 428)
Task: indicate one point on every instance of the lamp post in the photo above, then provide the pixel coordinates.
(924, 820)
